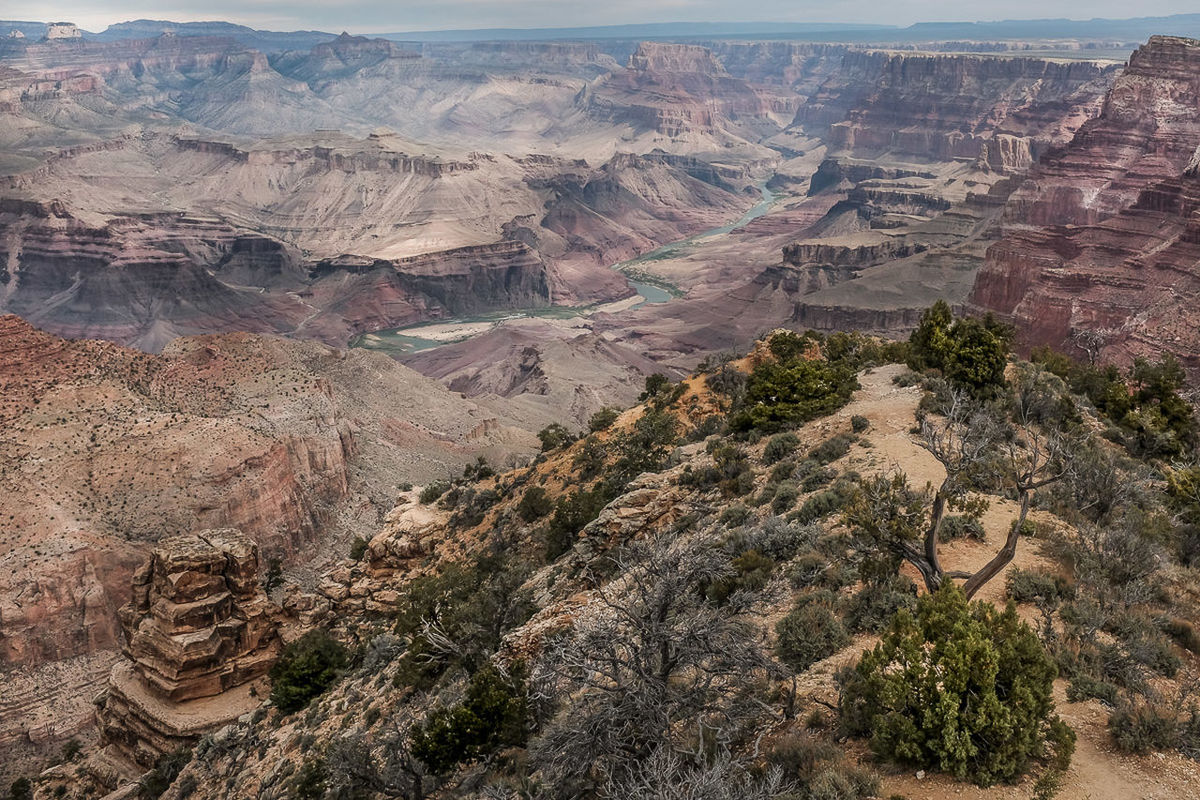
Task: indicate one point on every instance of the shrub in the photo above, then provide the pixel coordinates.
(655, 384)
(305, 669)
(310, 780)
(859, 424)
(534, 504)
(751, 572)
(166, 770)
(603, 419)
(819, 506)
(554, 436)
(433, 491)
(784, 499)
(1086, 687)
(1144, 728)
(784, 394)
(831, 449)
(972, 353)
(734, 515)
(874, 605)
(1032, 586)
(959, 526)
(818, 479)
(358, 548)
(844, 783)
(961, 688)
(782, 471)
(730, 472)
(70, 749)
(809, 633)
(571, 515)
(21, 789)
(1183, 632)
(491, 716)
(780, 447)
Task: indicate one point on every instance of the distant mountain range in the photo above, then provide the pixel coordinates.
(1124, 30)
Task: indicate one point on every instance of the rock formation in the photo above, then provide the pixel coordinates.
(106, 450)
(198, 628)
(998, 112)
(1103, 235)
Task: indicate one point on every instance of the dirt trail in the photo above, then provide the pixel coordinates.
(1097, 771)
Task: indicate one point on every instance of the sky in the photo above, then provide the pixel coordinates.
(384, 16)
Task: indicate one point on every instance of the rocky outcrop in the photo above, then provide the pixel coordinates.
(198, 628)
(825, 254)
(999, 113)
(106, 450)
(1104, 238)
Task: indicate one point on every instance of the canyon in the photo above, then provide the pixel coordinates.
(195, 230)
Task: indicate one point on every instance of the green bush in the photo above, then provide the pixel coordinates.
(734, 515)
(819, 506)
(730, 472)
(603, 419)
(809, 633)
(960, 688)
(785, 394)
(554, 436)
(1182, 631)
(831, 449)
(21, 789)
(492, 715)
(971, 353)
(1086, 687)
(571, 515)
(859, 424)
(782, 471)
(1032, 586)
(752, 570)
(358, 548)
(305, 669)
(874, 605)
(1144, 728)
(780, 446)
(471, 603)
(534, 504)
(310, 780)
(959, 526)
(818, 479)
(784, 499)
(432, 492)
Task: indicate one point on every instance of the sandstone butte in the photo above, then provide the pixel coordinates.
(198, 631)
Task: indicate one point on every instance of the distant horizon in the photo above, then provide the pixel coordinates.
(364, 16)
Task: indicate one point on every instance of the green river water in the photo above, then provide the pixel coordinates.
(408, 339)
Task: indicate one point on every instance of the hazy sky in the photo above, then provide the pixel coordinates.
(380, 16)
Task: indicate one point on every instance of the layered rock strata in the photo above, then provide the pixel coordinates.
(1100, 253)
(198, 628)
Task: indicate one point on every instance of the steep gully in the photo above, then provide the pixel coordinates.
(409, 338)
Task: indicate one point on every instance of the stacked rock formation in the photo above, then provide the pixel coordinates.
(199, 631)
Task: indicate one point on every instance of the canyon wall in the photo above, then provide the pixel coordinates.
(1100, 240)
(1000, 113)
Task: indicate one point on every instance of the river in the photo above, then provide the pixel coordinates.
(427, 335)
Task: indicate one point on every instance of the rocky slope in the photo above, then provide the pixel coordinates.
(427, 557)
(107, 449)
(1099, 244)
